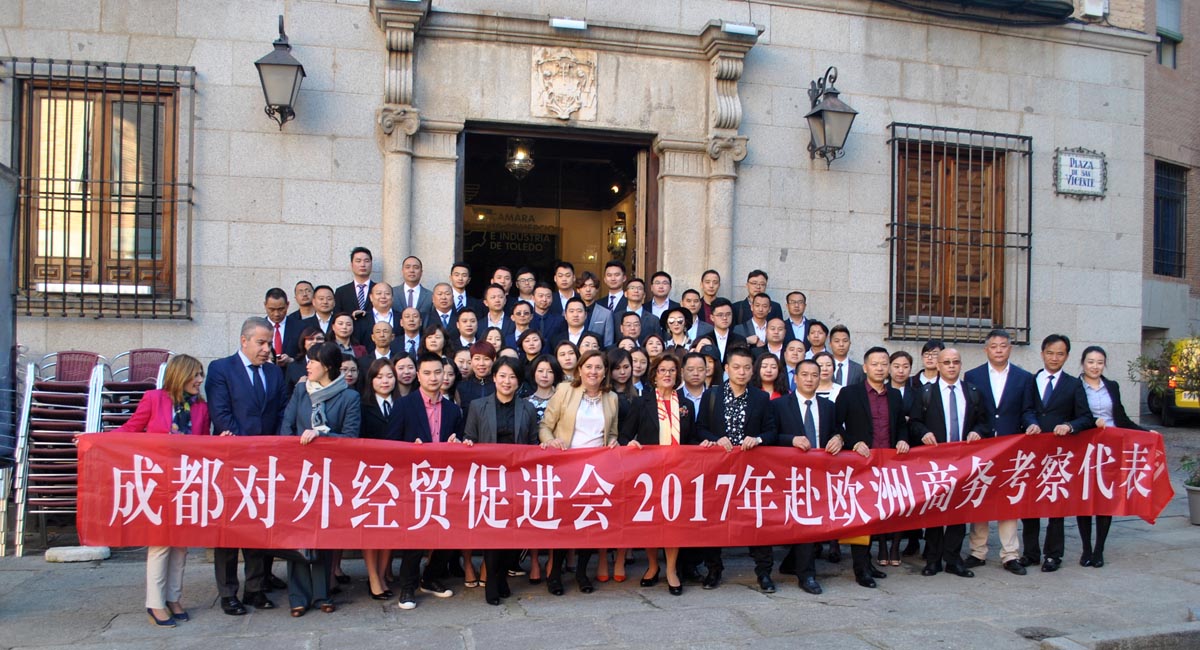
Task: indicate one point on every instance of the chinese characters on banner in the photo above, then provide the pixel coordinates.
(271, 492)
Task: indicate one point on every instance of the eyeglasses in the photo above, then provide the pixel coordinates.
(666, 371)
(674, 321)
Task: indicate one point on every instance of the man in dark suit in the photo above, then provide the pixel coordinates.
(384, 345)
(495, 301)
(599, 318)
(551, 324)
(660, 293)
(522, 318)
(755, 329)
(379, 311)
(846, 371)
(1060, 407)
(302, 294)
(796, 321)
(614, 281)
(724, 338)
(734, 413)
(948, 411)
(564, 283)
(351, 297)
(408, 337)
(460, 277)
(441, 311)
(284, 340)
(870, 415)
(805, 421)
(1008, 400)
(324, 304)
(424, 416)
(756, 283)
(692, 302)
(246, 397)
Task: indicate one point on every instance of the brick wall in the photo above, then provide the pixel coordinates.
(1172, 112)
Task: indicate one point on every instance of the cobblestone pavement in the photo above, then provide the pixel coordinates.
(1152, 578)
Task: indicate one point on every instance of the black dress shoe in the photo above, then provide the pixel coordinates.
(1015, 567)
(273, 582)
(959, 571)
(232, 606)
(554, 586)
(1085, 559)
(585, 584)
(766, 585)
(971, 562)
(1051, 565)
(492, 601)
(505, 592)
(875, 573)
(711, 580)
(1097, 559)
(931, 569)
(1028, 560)
(259, 600)
(865, 581)
(651, 581)
(811, 586)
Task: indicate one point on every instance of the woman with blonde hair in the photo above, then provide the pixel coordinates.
(176, 408)
(580, 415)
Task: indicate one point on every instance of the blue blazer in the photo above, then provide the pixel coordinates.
(1068, 405)
(409, 424)
(1015, 412)
(233, 404)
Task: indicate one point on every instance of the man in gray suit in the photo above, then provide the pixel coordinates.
(599, 320)
(412, 294)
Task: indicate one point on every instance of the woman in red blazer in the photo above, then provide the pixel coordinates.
(175, 408)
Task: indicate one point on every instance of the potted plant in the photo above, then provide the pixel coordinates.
(1191, 465)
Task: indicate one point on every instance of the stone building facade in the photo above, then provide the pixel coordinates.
(374, 155)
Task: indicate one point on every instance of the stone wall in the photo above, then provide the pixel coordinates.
(274, 207)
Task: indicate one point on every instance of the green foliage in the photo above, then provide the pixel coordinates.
(1177, 359)
(1191, 465)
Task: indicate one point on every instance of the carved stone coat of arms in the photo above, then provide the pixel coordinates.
(563, 83)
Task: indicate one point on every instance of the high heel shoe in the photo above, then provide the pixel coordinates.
(652, 580)
(386, 595)
(169, 622)
(181, 615)
(674, 590)
(1097, 559)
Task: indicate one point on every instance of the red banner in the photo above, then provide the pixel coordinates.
(272, 492)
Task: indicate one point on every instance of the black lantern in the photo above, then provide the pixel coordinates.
(280, 74)
(829, 120)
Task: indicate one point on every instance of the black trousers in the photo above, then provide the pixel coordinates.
(764, 559)
(860, 555)
(945, 544)
(1103, 524)
(498, 562)
(225, 568)
(803, 558)
(1055, 533)
(410, 567)
(582, 557)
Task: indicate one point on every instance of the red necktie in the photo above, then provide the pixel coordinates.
(278, 340)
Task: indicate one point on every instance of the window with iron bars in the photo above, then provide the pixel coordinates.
(960, 234)
(103, 153)
(1170, 219)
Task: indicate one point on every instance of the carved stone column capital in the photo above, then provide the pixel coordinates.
(398, 124)
(399, 21)
(726, 151)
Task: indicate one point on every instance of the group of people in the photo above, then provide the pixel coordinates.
(565, 366)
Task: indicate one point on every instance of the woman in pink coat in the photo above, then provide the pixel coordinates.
(176, 408)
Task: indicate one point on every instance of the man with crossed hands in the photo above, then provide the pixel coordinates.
(947, 410)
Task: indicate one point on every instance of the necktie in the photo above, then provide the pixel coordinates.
(810, 427)
(460, 301)
(791, 379)
(955, 432)
(387, 408)
(612, 303)
(837, 376)
(362, 296)
(411, 302)
(260, 388)
(1049, 390)
(445, 320)
(412, 346)
(278, 343)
